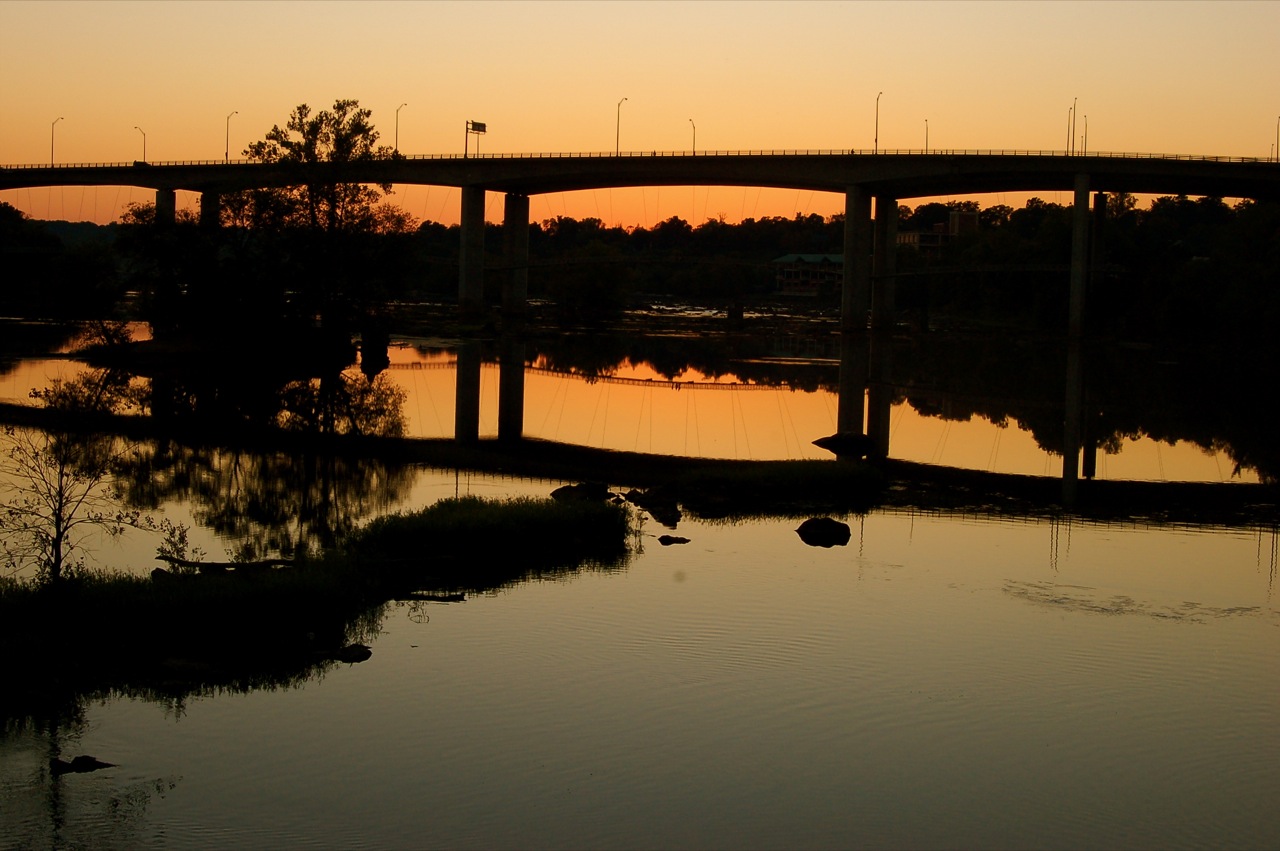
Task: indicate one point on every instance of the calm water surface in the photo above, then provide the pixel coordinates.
(636, 409)
(939, 682)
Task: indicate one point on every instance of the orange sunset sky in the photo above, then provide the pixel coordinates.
(1152, 77)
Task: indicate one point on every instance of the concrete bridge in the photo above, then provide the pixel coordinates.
(885, 176)
(864, 177)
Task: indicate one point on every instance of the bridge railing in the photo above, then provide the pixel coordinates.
(761, 152)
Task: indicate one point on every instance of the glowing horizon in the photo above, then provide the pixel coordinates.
(101, 80)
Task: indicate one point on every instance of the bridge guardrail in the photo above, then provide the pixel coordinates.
(781, 152)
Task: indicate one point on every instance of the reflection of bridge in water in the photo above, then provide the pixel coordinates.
(589, 378)
(864, 178)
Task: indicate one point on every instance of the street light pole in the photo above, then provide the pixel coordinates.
(876, 143)
(226, 156)
(1278, 138)
(1084, 145)
(617, 139)
(1073, 124)
(144, 141)
(695, 137)
(398, 108)
(51, 126)
(926, 135)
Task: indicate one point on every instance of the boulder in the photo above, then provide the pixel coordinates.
(846, 445)
(593, 491)
(824, 532)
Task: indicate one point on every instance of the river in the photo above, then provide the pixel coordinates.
(945, 680)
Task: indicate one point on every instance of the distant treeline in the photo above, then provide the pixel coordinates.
(1181, 267)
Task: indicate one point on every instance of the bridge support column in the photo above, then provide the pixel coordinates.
(884, 269)
(511, 390)
(466, 406)
(855, 301)
(1071, 427)
(1088, 431)
(855, 293)
(166, 207)
(471, 255)
(515, 238)
(210, 209)
(851, 394)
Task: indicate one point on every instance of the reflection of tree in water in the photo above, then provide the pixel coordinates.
(268, 502)
(1204, 393)
(46, 807)
(346, 404)
(712, 355)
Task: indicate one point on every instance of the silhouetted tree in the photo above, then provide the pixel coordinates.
(59, 483)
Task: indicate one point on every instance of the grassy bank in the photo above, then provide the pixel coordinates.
(176, 634)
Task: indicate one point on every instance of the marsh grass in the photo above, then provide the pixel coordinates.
(469, 543)
(171, 636)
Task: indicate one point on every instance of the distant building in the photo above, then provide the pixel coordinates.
(809, 274)
(930, 241)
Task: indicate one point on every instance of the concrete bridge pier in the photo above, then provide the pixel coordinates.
(855, 292)
(471, 257)
(511, 390)
(851, 395)
(210, 209)
(466, 406)
(515, 238)
(883, 320)
(166, 207)
(1074, 402)
(855, 301)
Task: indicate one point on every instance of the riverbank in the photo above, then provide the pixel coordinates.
(217, 627)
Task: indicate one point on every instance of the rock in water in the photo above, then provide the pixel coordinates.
(824, 532)
(594, 491)
(846, 445)
(353, 653)
(80, 765)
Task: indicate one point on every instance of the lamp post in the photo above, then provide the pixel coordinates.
(1073, 124)
(1278, 138)
(398, 108)
(51, 126)
(926, 135)
(1084, 144)
(617, 138)
(695, 137)
(144, 141)
(876, 143)
(226, 156)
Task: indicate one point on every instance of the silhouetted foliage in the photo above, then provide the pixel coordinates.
(50, 278)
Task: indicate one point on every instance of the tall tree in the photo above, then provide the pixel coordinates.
(343, 134)
(58, 485)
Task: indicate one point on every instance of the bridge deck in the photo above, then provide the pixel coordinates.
(898, 174)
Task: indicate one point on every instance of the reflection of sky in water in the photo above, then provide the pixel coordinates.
(644, 412)
(939, 682)
(755, 423)
(942, 680)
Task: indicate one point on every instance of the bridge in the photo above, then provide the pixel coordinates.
(883, 177)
